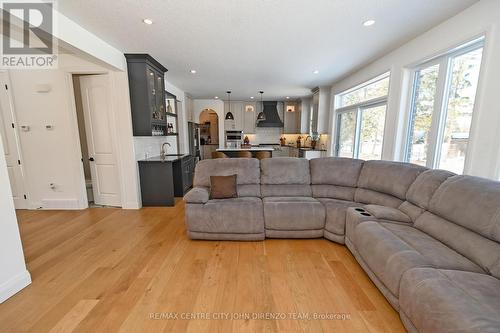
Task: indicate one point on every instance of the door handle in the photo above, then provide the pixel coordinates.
(91, 159)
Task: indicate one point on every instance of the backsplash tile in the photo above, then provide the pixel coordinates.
(148, 146)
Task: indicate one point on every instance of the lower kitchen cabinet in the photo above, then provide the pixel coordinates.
(183, 175)
(157, 186)
(164, 179)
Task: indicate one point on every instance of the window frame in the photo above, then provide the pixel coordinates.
(378, 78)
(357, 109)
(440, 109)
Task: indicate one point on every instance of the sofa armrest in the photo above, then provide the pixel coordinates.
(197, 195)
(387, 213)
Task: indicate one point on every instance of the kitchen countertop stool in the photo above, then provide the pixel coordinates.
(243, 154)
(218, 154)
(262, 155)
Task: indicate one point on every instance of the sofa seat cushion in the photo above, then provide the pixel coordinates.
(336, 214)
(387, 213)
(232, 216)
(450, 301)
(390, 249)
(293, 213)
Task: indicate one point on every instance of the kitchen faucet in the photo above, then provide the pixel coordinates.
(163, 150)
(305, 141)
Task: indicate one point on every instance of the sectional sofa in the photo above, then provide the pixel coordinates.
(428, 239)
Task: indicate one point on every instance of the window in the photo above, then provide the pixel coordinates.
(361, 120)
(378, 87)
(441, 109)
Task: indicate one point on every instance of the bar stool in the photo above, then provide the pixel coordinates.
(218, 154)
(262, 155)
(243, 154)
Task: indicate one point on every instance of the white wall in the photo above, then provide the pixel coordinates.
(13, 273)
(182, 117)
(54, 156)
(218, 106)
(482, 18)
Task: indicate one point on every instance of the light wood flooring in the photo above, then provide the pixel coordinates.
(109, 270)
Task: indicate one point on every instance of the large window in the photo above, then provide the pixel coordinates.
(361, 120)
(378, 87)
(441, 109)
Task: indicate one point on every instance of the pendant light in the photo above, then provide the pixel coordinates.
(229, 115)
(261, 116)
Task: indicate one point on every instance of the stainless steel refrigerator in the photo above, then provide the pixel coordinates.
(194, 139)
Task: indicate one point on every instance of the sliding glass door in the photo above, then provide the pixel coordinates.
(360, 132)
(371, 133)
(346, 133)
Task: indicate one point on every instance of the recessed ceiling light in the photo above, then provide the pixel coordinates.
(315, 71)
(193, 71)
(251, 97)
(148, 21)
(216, 97)
(368, 23)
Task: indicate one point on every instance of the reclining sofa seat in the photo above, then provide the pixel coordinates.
(334, 182)
(464, 214)
(381, 193)
(290, 211)
(388, 249)
(226, 219)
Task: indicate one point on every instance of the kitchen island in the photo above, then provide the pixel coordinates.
(231, 152)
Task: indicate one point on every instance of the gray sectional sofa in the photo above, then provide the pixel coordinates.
(428, 239)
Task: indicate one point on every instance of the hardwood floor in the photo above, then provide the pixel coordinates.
(108, 270)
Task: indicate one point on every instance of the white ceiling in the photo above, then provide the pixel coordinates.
(252, 45)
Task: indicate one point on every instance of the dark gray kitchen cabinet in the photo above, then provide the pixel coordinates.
(147, 95)
(183, 175)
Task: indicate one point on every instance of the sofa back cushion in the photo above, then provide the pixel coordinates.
(246, 169)
(423, 188)
(385, 182)
(478, 249)
(464, 213)
(471, 202)
(335, 177)
(421, 191)
(285, 176)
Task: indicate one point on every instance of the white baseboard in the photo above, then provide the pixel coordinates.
(14, 285)
(132, 205)
(60, 204)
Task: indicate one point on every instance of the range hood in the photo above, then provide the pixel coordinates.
(272, 117)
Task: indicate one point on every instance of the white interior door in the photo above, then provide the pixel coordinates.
(95, 92)
(10, 144)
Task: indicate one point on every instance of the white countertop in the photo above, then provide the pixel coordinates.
(247, 149)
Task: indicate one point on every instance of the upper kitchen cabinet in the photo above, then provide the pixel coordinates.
(237, 111)
(147, 95)
(305, 107)
(320, 110)
(314, 112)
(291, 118)
(249, 117)
(324, 110)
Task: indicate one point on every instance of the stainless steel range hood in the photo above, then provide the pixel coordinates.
(272, 117)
